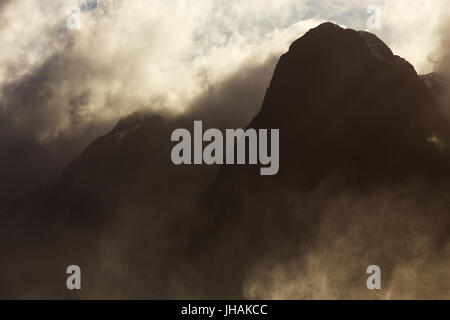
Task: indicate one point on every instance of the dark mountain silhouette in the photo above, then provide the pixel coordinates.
(363, 163)
(354, 119)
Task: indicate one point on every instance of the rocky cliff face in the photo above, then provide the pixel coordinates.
(363, 180)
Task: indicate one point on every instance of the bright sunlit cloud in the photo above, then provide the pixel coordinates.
(159, 54)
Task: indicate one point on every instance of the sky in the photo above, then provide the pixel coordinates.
(67, 76)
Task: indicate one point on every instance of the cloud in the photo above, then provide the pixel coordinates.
(129, 56)
(157, 54)
(441, 54)
(410, 28)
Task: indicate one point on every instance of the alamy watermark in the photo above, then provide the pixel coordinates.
(74, 280)
(235, 140)
(374, 20)
(374, 281)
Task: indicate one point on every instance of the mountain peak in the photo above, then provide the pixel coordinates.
(326, 27)
(330, 32)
